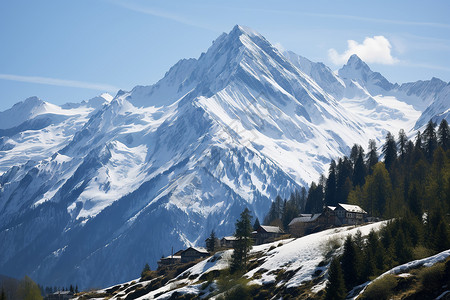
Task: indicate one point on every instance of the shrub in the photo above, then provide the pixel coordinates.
(240, 291)
(381, 288)
(420, 252)
(431, 278)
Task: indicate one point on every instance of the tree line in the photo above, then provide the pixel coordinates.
(413, 175)
(407, 182)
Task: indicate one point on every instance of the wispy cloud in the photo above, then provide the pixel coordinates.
(351, 17)
(60, 82)
(371, 50)
(161, 14)
(378, 20)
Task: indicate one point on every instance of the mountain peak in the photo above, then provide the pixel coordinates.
(354, 58)
(356, 69)
(239, 34)
(355, 63)
(21, 112)
(244, 30)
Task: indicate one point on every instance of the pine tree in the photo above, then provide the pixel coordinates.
(354, 153)
(443, 135)
(243, 242)
(369, 267)
(418, 148)
(418, 144)
(377, 191)
(389, 151)
(430, 140)
(372, 155)
(403, 251)
(388, 244)
(275, 211)
(442, 237)
(343, 178)
(359, 170)
(211, 242)
(315, 199)
(145, 270)
(290, 211)
(71, 289)
(330, 188)
(76, 289)
(414, 202)
(335, 289)
(402, 143)
(3, 295)
(350, 263)
(409, 151)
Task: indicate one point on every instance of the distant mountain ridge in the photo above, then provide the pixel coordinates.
(161, 166)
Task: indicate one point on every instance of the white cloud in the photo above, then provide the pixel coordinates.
(60, 82)
(372, 50)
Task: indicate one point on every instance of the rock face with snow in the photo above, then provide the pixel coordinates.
(107, 185)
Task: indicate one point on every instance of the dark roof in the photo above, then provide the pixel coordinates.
(198, 249)
(271, 229)
(304, 219)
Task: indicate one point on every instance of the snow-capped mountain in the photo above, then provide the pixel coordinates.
(33, 130)
(162, 165)
(439, 108)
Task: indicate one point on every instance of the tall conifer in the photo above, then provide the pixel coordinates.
(335, 289)
(443, 135)
(243, 242)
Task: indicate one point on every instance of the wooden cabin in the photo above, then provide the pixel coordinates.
(193, 253)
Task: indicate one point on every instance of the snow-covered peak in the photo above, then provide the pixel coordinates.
(357, 62)
(240, 29)
(93, 103)
(421, 93)
(357, 70)
(107, 97)
(99, 101)
(31, 102)
(241, 53)
(21, 112)
(438, 109)
(231, 129)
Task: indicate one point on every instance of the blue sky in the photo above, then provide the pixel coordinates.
(69, 51)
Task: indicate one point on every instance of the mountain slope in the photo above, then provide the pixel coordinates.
(286, 267)
(161, 166)
(438, 109)
(33, 130)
